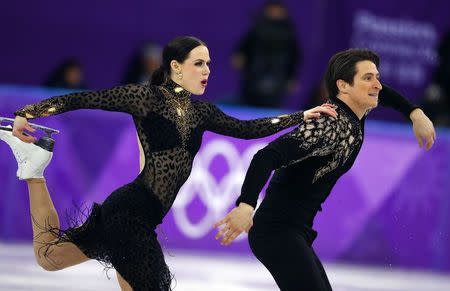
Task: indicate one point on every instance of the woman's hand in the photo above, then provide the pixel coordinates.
(316, 112)
(21, 124)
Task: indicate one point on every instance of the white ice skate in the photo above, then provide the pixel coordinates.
(32, 159)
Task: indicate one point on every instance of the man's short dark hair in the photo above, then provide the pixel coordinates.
(343, 66)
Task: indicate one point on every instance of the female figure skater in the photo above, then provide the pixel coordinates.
(308, 161)
(170, 125)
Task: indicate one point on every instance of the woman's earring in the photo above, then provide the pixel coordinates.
(180, 76)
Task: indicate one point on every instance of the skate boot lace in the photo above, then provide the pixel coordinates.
(21, 159)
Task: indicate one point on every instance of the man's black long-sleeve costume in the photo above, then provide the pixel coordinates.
(307, 161)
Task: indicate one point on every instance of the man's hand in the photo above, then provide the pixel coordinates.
(238, 220)
(423, 128)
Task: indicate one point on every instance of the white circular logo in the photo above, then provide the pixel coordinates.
(217, 196)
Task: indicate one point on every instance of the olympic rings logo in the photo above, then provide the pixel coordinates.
(216, 196)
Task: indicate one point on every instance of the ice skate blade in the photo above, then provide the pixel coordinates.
(49, 131)
(5, 128)
(45, 142)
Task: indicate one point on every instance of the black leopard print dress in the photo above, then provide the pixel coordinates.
(121, 231)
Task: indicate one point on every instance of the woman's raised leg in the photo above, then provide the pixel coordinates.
(32, 161)
(45, 223)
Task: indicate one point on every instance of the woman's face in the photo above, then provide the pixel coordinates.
(194, 71)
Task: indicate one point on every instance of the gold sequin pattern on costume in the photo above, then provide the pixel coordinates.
(40, 110)
(179, 100)
(337, 138)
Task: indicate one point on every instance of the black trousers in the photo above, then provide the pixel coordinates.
(287, 253)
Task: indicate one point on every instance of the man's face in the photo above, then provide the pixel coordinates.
(366, 86)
